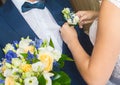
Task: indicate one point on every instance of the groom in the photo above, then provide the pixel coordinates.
(42, 22)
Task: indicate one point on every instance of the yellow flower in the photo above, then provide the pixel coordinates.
(26, 67)
(9, 81)
(3, 68)
(31, 49)
(47, 60)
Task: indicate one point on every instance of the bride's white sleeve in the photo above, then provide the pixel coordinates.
(93, 30)
(115, 2)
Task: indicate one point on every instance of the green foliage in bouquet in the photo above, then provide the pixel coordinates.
(29, 62)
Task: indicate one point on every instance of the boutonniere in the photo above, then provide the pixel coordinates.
(70, 16)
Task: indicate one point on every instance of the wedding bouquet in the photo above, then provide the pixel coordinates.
(29, 62)
(70, 16)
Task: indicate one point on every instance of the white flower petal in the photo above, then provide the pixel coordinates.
(47, 77)
(38, 67)
(31, 81)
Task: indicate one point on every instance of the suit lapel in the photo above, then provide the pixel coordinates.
(55, 8)
(16, 21)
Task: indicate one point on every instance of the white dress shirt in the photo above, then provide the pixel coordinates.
(42, 23)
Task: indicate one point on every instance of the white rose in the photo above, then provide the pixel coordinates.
(38, 67)
(16, 62)
(7, 72)
(31, 81)
(24, 43)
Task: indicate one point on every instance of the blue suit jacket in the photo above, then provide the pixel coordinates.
(13, 27)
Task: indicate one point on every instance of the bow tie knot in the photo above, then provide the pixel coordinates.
(28, 6)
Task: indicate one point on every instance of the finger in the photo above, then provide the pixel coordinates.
(80, 13)
(66, 26)
(86, 22)
(80, 25)
(83, 23)
(83, 18)
(63, 27)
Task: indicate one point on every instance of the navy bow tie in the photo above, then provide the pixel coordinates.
(28, 6)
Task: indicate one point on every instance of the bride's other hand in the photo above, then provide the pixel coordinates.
(68, 33)
(86, 17)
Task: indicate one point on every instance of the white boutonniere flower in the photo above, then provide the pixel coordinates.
(70, 17)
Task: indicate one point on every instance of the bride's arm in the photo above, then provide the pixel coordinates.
(96, 70)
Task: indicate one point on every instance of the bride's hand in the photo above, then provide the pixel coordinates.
(68, 34)
(86, 17)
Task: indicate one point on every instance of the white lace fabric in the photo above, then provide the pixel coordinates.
(115, 2)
